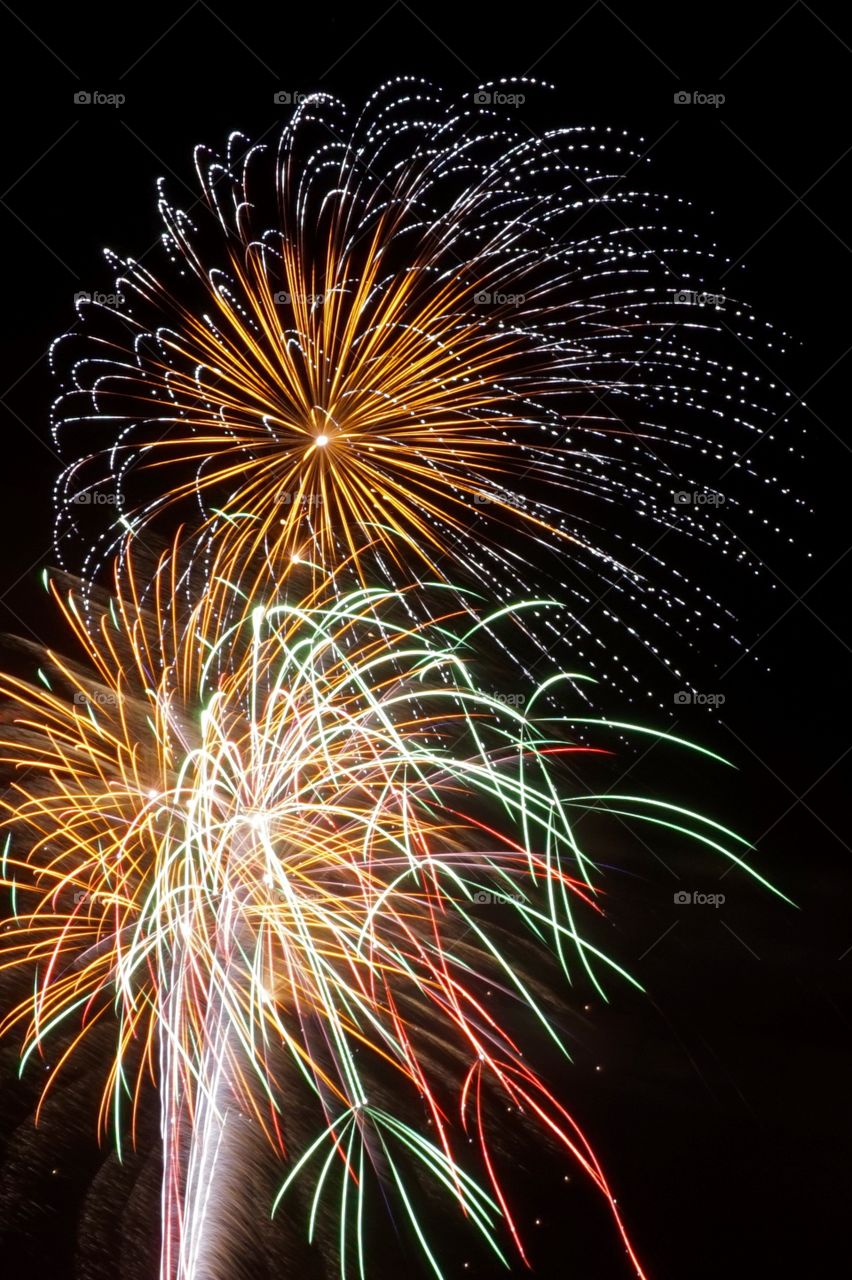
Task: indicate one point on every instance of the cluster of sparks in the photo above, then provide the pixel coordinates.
(435, 323)
(256, 827)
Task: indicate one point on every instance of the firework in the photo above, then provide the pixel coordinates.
(380, 396)
(429, 323)
(282, 846)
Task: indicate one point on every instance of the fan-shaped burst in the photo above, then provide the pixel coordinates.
(433, 322)
(275, 845)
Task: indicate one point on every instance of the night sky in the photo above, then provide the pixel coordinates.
(718, 1103)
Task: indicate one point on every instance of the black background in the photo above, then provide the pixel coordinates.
(721, 1110)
